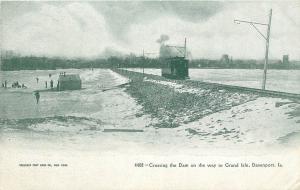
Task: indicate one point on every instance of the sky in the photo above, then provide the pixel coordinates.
(97, 29)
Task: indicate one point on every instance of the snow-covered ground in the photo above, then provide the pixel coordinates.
(258, 121)
(178, 87)
(264, 120)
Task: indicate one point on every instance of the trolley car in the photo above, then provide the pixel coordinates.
(175, 68)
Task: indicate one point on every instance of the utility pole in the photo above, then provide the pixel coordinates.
(143, 62)
(267, 52)
(267, 39)
(184, 47)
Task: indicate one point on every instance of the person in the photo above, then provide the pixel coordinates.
(57, 87)
(5, 84)
(51, 84)
(46, 84)
(37, 80)
(2, 85)
(17, 85)
(37, 96)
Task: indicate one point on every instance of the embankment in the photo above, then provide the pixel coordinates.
(177, 102)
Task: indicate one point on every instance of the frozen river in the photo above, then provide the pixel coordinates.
(72, 116)
(278, 80)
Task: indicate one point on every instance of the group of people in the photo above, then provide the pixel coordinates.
(13, 85)
(51, 84)
(62, 73)
(36, 93)
(4, 85)
(17, 85)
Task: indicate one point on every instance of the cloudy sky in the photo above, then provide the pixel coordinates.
(90, 29)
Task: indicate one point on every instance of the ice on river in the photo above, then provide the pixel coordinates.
(89, 110)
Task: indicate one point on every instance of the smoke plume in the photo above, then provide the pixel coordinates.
(163, 38)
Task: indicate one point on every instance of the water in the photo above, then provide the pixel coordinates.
(278, 80)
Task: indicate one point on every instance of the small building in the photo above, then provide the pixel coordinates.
(68, 82)
(225, 59)
(175, 68)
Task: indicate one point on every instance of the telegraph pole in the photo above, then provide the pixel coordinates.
(267, 52)
(143, 61)
(184, 47)
(267, 39)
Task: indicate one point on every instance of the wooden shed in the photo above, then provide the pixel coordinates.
(69, 82)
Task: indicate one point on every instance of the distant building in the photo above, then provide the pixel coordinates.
(6, 54)
(285, 59)
(69, 82)
(225, 59)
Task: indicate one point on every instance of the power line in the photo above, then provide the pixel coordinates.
(266, 38)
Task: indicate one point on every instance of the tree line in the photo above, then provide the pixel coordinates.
(46, 63)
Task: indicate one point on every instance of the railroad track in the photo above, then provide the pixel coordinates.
(255, 90)
(269, 93)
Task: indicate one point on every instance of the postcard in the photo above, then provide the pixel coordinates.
(164, 95)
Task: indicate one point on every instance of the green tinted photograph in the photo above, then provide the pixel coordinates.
(150, 95)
